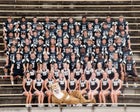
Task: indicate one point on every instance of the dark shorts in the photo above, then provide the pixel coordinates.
(131, 73)
(18, 72)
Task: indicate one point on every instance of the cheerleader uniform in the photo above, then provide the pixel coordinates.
(62, 84)
(110, 73)
(66, 73)
(28, 84)
(72, 84)
(56, 74)
(82, 84)
(38, 84)
(32, 74)
(88, 73)
(116, 83)
(105, 84)
(77, 74)
(44, 74)
(93, 84)
(99, 74)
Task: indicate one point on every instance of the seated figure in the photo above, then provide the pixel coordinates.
(60, 97)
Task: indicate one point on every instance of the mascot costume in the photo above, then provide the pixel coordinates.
(60, 97)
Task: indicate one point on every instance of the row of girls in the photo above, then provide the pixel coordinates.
(89, 83)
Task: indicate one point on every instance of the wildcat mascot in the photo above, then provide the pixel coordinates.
(75, 97)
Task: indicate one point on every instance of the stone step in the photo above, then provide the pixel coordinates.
(7, 81)
(20, 99)
(12, 100)
(131, 90)
(67, 13)
(9, 90)
(80, 2)
(69, 8)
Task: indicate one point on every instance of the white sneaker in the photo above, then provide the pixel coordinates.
(74, 105)
(27, 105)
(116, 105)
(79, 105)
(89, 105)
(127, 85)
(113, 105)
(52, 104)
(104, 105)
(49, 105)
(40, 105)
(12, 82)
(100, 105)
(135, 85)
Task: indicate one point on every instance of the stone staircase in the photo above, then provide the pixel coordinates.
(130, 9)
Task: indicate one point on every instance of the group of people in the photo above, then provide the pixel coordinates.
(91, 56)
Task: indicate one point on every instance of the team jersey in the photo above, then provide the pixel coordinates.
(11, 56)
(49, 83)
(47, 41)
(28, 84)
(76, 49)
(18, 64)
(97, 26)
(44, 74)
(59, 26)
(83, 25)
(110, 54)
(39, 56)
(116, 83)
(105, 84)
(8, 40)
(82, 84)
(129, 65)
(62, 83)
(104, 48)
(88, 73)
(119, 47)
(73, 64)
(56, 74)
(71, 25)
(98, 41)
(125, 39)
(99, 73)
(110, 39)
(110, 72)
(33, 62)
(77, 73)
(38, 84)
(72, 84)
(32, 74)
(93, 83)
(66, 73)
(90, 32)
(116, 63)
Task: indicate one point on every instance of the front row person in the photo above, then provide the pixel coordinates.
(38, 89)
(93, 86)
(27, 89)
(48, 82)
(115, 89)
(105, 85)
